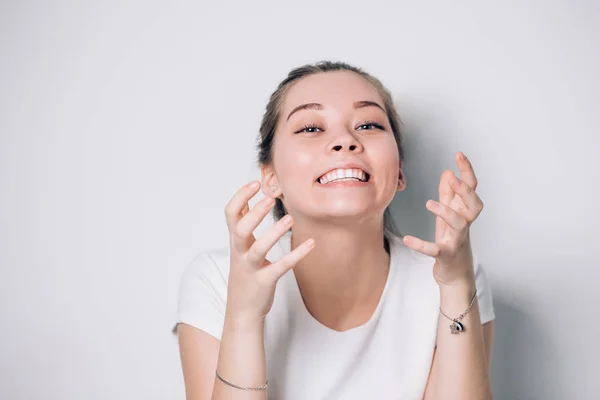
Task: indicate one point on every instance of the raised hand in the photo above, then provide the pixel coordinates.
(458, 207)
(252, 279)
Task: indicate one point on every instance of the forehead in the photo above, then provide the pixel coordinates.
(331, 89)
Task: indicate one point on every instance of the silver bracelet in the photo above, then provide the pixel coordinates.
(262, 387)
(457, 326)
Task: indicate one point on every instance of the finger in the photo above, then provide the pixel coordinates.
(446, 196)
(287, 262)
(262, 245)
(451, 217)
(241, 234)
(239, 202)
(420, 245)
(446, 192)
(467, 173)
(469, 197)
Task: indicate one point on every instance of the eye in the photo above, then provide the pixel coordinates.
(370, 125)
(310, 128)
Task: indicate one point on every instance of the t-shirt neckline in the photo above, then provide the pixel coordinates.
(307, 316)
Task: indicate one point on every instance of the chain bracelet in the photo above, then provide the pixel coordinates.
(458, 326)
(262, 387)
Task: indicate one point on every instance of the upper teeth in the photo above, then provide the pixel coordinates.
(338, 174)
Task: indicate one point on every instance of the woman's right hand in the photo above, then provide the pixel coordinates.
(252, 279)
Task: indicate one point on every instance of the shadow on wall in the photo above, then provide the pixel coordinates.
(425, 158)
(524, 363)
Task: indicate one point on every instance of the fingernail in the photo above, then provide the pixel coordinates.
(254, 185)
(286, 220)
(310, 243)
(462, 156)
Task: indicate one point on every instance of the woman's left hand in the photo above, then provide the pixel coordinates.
(458, 207)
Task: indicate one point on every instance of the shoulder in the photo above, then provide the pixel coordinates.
(203, 292)
(214, 263)
(213, 266)
(207, 273)
(202, 295)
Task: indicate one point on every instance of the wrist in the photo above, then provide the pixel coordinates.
(466, 284)
(243, 323)
(456, 296)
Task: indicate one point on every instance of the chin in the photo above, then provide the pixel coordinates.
(345, 209)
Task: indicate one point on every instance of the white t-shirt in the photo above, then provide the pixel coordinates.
(389, 357)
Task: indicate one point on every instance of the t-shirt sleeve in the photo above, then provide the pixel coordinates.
(484, 293)
(203, 294)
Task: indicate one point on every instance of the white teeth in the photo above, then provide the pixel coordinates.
(343, 174)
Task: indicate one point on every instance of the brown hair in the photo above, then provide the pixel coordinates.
(270, 119)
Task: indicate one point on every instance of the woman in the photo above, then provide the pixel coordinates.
(359, 311)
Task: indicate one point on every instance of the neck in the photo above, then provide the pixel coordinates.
(345, 273)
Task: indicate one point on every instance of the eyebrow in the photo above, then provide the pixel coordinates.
(317, 106)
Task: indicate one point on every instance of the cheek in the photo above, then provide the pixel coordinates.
(293, 161)
(387, 169)
(388, 159)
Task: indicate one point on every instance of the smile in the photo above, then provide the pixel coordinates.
(341, 175)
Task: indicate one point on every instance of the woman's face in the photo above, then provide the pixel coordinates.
(334, 154)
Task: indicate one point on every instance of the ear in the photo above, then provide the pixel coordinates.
(401, 181)
(270, 183)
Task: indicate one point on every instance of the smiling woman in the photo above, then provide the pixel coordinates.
(359, 311)
(376, 114)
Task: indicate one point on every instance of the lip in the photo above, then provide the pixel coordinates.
(344, 165)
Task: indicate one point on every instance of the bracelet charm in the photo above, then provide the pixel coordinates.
(457, 327)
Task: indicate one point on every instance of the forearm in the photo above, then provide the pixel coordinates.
(461, 370)
(241, 361)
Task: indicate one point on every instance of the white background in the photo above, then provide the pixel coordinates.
(126, 127)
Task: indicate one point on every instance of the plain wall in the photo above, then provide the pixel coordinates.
(126, 127)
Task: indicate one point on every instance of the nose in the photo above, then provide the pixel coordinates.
(346, 142)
